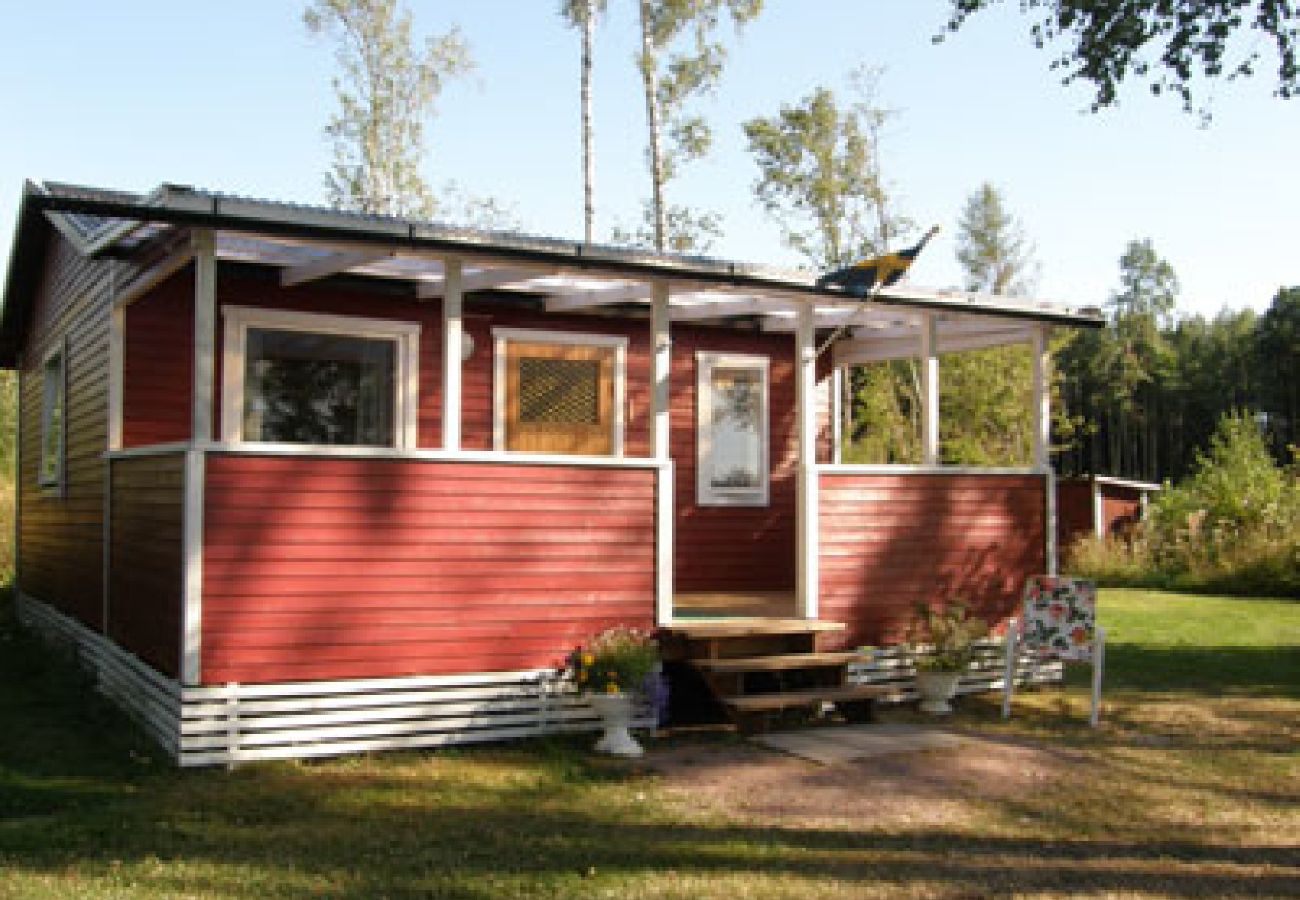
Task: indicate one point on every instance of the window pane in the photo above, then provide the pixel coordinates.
(306, 388)
(559, 391)
(52, 422)
(737, 445)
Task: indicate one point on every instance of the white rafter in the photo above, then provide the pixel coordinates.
(709, 308)
(623, 293)
(326, 266)
(860, 351)
(482, 280)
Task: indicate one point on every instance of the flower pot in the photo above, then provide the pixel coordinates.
(936, 689)
(615, 711)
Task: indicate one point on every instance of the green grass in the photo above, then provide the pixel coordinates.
(1190, 788)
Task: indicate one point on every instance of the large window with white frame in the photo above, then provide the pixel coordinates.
(54, 426)
(558, 392)
(732, 429)
(323, 380)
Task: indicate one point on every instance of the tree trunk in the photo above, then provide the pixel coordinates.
(588, 159)
(650, 81)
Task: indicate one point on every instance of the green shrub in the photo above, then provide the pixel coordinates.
(1232, 526)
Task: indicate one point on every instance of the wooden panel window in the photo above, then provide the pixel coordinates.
(299, 378)
(54, 394)
(559, 393)
(732, 431)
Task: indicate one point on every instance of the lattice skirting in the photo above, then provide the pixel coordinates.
(235, 723)
(896, 667)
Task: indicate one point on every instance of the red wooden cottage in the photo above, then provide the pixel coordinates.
(297, 481)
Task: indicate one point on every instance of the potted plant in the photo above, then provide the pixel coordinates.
(951, 634)
(612, 671)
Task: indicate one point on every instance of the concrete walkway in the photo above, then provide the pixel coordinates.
(837, 744)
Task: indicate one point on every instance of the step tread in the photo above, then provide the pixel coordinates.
(756, 702)
(775, 661)
(705, 629)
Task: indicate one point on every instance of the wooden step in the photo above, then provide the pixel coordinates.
(792, 699)
(707, 629)
(775, 663)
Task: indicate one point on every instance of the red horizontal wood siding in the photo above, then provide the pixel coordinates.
(158, 364)
(146, 554)
(717, 548)
(889, 542)
(1121, 509)
(348, 568)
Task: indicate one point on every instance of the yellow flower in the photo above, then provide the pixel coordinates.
(588, 659)
(611, 688)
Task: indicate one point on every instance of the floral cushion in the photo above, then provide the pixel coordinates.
(1060, 617)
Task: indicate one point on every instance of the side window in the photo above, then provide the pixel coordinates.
(732, 430)
(53, 420)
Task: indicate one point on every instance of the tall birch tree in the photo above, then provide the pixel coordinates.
(582, 14)
(679, 60)
(386, 88)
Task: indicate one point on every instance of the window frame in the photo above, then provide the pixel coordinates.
(55, 482)
(405, 335)
(706, 494)
(502, 336)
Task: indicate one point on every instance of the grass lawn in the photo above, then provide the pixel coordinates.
(1190, 788)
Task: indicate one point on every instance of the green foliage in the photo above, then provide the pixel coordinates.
(1168, 45)
(1277, 342)
(820, 174)
(992, 247)
(618, 660)
(951, 632)
(680, 60)
(386, 89)
(1233, 525)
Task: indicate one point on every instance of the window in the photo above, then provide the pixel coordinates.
(303, 378)
(558, 392)
(53, 421)
(732, 431)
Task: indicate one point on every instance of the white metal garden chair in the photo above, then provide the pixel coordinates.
(1058, 622)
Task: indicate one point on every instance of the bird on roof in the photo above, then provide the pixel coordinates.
(862, 277)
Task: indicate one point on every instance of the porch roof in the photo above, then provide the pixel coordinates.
(307, 243)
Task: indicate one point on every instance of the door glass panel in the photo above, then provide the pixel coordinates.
(736, 457)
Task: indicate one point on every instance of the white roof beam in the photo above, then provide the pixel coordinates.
(624, 293)
(712, 309)
(856, 352)
(329, 265)
(482, 280)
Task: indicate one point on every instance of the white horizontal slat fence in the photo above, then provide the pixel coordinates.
(895, 667)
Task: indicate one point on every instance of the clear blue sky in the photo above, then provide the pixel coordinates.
(232, 96)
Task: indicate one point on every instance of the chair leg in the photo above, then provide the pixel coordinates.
(1098, 668)
(1009, 670)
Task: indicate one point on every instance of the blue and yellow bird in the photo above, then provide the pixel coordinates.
(862, 277)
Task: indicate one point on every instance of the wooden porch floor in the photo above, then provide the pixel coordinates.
(725, 605)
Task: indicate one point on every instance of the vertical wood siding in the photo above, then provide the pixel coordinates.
(1074, 512)
(60, 534)
(333, 568)
(146, 555)
(889, 542)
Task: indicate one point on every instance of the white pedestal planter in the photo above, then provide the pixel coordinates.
(615, 711)
(936, 689)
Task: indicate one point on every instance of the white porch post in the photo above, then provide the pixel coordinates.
(205, 324)
(806, 415)
(837, 415)
(453, 329)
(660, 431)
(929, 390)
(1042, 405)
